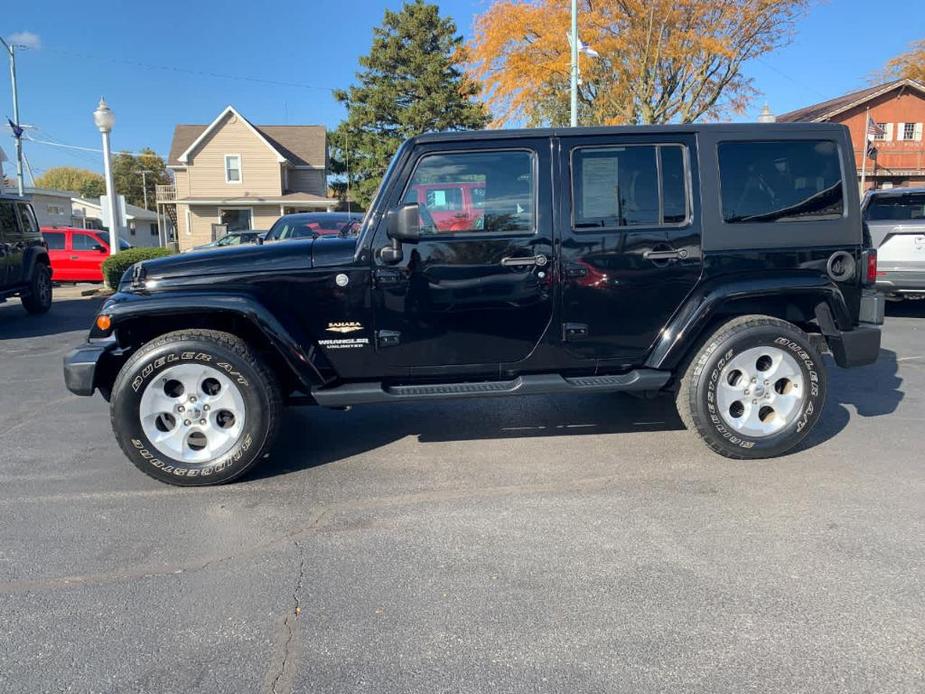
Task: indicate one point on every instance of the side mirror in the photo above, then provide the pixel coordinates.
(260, 240)
(405, 224)
(100, 248)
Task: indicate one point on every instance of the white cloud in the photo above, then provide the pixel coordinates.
(25, 38)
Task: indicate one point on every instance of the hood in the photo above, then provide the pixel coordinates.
(328, 251)
(246, 259)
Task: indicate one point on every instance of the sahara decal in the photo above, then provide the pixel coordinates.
(350, 327)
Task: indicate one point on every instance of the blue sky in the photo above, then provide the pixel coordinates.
(116, 49)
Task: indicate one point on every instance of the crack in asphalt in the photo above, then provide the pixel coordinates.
(287, 666)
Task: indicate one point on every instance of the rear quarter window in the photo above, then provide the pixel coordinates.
(780, 181)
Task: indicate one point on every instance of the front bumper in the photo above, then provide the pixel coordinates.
(82, 365)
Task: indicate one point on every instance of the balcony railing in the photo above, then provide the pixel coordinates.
(167, 193)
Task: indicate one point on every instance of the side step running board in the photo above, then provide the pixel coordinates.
(533, 384)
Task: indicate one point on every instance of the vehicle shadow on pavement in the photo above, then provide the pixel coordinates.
(873, 391)
(314, 436)
(66, 315)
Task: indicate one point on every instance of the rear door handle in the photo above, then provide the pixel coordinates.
(665, 255)
(538, 260)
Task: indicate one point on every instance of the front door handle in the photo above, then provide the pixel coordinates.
(665, 255)
(538, 260)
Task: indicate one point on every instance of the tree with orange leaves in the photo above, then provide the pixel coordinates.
(910, 64)
(659, 61)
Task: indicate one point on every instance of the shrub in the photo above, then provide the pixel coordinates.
(115, 265)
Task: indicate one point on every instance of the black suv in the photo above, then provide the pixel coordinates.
(25, 270)
(714, 263)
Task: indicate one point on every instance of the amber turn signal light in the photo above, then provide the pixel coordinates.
(103, 322)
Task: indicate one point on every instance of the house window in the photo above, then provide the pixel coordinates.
(882, 134)
(54, 209)
(908, 131)
(235, 219)
(232, 168)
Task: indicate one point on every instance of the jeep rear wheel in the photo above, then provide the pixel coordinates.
(195, 407)
(755, 388)
(38, 300)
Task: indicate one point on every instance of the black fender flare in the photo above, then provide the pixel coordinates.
(707, 301)
(31, 256)
(299, 352)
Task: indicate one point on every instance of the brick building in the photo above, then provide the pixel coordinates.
(899, 108)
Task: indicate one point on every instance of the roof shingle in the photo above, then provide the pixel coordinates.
(300, 145)
(826, 109)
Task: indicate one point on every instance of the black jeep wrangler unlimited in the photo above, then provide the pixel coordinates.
(715, 263)
(25, 270)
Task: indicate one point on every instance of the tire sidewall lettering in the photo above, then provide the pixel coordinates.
(146, 371)
(709, 368)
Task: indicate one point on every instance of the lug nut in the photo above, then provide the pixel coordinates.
(203, 422)
(181, 408)
(192, 398)
(186, 422)
(746, 391)
(754, 380)
(754, 402)
(206, 408)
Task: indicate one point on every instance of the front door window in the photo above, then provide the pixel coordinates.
(236, 220)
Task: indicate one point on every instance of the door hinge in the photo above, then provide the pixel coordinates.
(387, 338)
(573, 331)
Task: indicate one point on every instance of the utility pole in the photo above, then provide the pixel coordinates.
(144, 184)
(11, 49)
(574, 99)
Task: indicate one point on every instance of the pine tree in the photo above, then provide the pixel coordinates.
(411, 83)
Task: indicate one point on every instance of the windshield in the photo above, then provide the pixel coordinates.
(896, 207)
(104, 239)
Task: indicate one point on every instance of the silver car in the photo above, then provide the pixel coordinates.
(896, 220)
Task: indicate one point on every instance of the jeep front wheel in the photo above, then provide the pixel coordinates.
(195, 407)
(755, 389)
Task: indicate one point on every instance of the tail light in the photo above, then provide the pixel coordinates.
(870, 265)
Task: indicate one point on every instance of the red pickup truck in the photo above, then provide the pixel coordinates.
(77, 255)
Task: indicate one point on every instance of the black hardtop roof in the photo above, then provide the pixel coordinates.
(760, 130)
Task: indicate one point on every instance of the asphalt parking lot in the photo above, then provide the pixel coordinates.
(542, 544)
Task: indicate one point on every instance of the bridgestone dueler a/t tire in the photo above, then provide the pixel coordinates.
(254, 380)
(696, 393)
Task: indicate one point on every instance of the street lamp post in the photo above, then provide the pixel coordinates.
(104, 119)
(11, 49)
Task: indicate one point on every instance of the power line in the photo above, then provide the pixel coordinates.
(200, 73)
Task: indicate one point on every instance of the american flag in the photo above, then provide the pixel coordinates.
(874, 129)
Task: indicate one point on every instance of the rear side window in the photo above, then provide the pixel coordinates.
(780, 181)
(631, 186)
(904, 207)
(54, 239)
